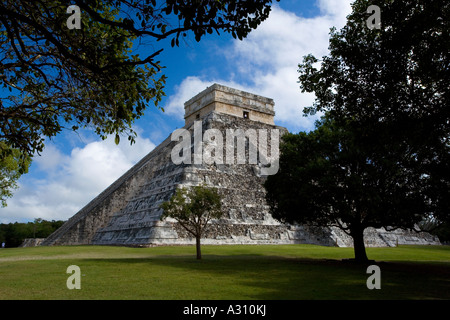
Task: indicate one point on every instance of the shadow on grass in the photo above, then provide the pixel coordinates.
(272, 278)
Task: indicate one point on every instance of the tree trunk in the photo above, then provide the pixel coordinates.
(358, 245)
(199, 251)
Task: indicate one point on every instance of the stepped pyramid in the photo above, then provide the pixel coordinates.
(128, 211)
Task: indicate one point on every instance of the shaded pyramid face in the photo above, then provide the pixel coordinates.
(229, 142)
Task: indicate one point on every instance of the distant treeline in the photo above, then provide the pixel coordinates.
(13, 234)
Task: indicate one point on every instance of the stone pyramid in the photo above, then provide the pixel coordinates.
(128, 211)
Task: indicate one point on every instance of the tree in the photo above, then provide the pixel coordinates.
(393, 82)
(380, 157)
(193, 208)
(56, 77)
(327, 179)
(13, 164)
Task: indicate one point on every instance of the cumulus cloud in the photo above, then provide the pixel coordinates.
(266, 62)
(70, 181)
(338, 9)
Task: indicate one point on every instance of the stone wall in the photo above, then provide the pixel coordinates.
(229, 101)
(382, 238)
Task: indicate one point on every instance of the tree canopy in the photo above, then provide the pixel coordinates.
(393, 82)
(327, 178)
(380, 157)
(193, 208)
(13, 163)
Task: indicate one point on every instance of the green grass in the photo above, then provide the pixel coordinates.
(226, 272)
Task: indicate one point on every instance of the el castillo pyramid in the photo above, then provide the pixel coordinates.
(128, 212)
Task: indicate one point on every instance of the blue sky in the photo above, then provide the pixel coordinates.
(76, 167)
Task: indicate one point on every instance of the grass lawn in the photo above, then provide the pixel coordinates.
(226, 272)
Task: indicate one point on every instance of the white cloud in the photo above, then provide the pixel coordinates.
(71, 181)
(267, 61)
(338, 9)
(49, 159)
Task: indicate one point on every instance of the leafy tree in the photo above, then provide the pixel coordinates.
(54, 77)
(380, 157)
(393, 82)
(13, 164)
(193, 208)
(327, 179)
